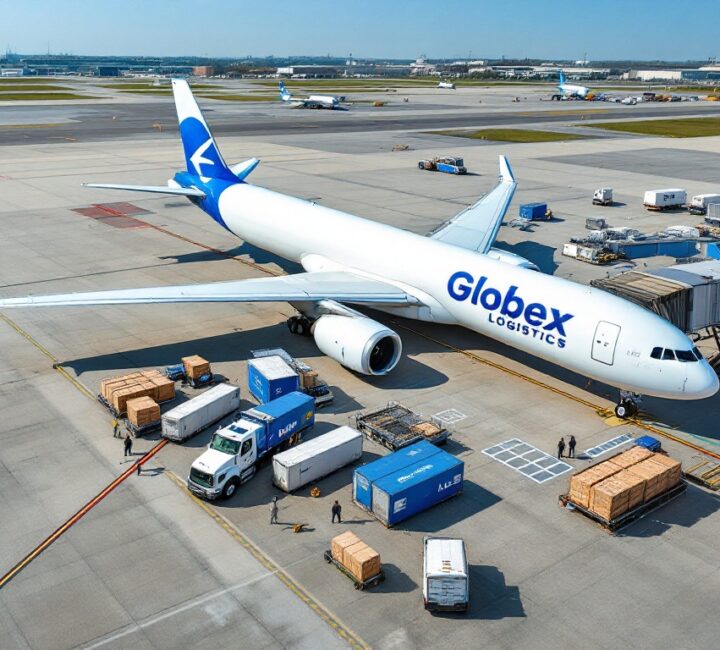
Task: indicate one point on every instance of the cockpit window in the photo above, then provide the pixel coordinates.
(685, 355)
(668, 355)
(698, 354)
(656, 353)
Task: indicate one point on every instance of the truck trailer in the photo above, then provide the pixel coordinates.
(234, 452)
(700, 202)
(192, 416)
(446, 581)
(316, 458)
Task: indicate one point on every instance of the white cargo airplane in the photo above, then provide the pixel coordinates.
(451, 276)
(448, 85)
(314, 101)
(571, 90)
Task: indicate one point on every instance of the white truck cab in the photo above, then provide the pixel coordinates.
(228, 462)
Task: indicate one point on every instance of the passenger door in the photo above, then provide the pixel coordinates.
(604, 342)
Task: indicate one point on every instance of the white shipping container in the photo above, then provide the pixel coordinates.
(571, 250)
(446, 584)
(665, 198)
(194, 415)
(316, 458)
(703, 200)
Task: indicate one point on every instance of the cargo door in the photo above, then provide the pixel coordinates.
(447, 591)
(380, 504)
(605, 341)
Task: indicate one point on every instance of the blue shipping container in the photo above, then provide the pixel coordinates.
(365, 476)
(283, 417)
(416, 488)
(533, 211)
(270, 378)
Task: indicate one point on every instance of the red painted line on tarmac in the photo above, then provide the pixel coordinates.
(79, 515)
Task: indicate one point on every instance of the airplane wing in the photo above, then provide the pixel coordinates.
(476, 227)
(156, 189)
(302, 287)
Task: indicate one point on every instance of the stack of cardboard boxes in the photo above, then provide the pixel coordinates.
(143, 412)
(308, 378)
(611, 488)
(356, 556)
(116, 391)
(195, 367)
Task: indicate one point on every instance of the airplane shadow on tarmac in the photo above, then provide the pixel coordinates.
(686, 511)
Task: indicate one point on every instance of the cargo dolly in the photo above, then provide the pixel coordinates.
(176, 372)
(706, 472)
(395, 426)
(370, 582)
(141, 431)
(121, 414)
(613, 525)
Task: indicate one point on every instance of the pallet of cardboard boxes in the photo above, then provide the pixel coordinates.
(356, 560)
(143, 415)
(115, 392)
(625, 487)
(197, 371)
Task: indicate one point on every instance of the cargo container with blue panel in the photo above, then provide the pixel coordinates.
(270, 378)
(365, 476)
(283, 417)
(533, 211)
(416, 488)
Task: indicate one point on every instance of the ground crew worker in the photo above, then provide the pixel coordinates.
(116, 428)
(336, 512)
(128, 445)
(561, 447)
(274, 511)
(571, 447)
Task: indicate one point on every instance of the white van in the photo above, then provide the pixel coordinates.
(446, 584)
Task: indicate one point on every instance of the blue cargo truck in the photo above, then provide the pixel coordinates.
(271, 377)
(398, 486)
(234, 452)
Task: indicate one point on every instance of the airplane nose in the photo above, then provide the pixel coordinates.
(703, 381)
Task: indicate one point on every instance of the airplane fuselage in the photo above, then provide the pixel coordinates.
(580, 328)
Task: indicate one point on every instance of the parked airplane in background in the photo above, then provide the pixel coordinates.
(446, 84)
(451, 276)
(314, 101)
(571, 90)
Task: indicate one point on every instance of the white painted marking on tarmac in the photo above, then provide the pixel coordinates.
(205, 600)
(528, 460)
(605, 447)
(450, 416)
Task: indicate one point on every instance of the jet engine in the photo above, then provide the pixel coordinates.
(358, 343)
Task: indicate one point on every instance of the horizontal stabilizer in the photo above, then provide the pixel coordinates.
(302, 287)
(244, 169)
(155, 189)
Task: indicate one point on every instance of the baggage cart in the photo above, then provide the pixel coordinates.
(395, 426)
(371, 582)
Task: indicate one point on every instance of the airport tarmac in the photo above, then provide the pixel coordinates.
(149, 566)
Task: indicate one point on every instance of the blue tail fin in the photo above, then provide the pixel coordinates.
(562, 78)
(284, 94)
(202, 156)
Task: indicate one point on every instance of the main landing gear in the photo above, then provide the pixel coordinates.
(299, 325)
(628, 405)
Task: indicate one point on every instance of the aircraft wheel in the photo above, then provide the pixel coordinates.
(626, 409)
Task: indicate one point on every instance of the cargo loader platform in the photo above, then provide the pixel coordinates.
(613, 525)
(706, 472)
(395, 426)
(360, 585)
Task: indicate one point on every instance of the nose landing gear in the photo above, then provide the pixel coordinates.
(628, 405)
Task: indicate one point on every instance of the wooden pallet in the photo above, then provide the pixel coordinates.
(705, 473)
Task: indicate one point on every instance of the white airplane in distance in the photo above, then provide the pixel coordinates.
(571, 90)
(446, 84)
(314, 101)
(452, 276)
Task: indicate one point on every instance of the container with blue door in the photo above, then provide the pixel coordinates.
(533, 211)
(365, 476)
(284, 417)
(270, 378)
(415, 488)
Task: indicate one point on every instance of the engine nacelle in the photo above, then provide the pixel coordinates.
(358, 343)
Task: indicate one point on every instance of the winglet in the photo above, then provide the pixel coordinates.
(506, 175)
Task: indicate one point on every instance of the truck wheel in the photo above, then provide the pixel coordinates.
(230, 488)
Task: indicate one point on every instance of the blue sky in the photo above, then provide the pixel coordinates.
(642, 29)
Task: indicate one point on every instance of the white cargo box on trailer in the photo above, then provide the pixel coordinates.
(194, 415)
(446, 583)
(316, 458)
(659, 199)
(703, 200)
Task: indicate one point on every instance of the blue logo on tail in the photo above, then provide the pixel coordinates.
(201, 155)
